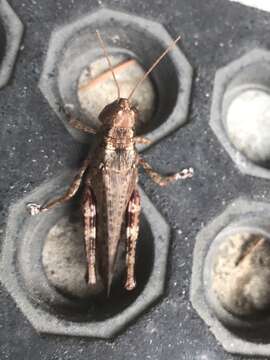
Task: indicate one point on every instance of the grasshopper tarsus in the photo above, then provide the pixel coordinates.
(184, 174)
(130, 284)
(33, 208)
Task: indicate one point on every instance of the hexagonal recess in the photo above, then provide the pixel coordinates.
(72, 47)
(248, 72)
(52, 311)
(11, 31)
(236, 334)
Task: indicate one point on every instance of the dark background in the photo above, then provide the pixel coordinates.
(35, 146)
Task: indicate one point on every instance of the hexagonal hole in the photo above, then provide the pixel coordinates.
(241, 273)
(246, 110)
(76, 73)
(52, 265)
(237, 277)
(230, 277)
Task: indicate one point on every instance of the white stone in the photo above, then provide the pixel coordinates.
(248, 124)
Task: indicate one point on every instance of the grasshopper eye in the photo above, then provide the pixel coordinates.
(108, 112)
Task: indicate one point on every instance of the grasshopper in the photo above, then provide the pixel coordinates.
(109, 179)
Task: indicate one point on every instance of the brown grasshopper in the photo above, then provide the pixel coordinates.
(109, 179)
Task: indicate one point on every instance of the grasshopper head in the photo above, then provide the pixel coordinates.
(119, 114)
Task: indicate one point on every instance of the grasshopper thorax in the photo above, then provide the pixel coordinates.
(119, 114)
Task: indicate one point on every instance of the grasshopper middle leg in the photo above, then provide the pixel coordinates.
(77, 124)
(132, 231)
(142, 140)
(72, 190)
(162, 180)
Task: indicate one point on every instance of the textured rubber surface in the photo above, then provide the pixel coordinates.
(35, 146)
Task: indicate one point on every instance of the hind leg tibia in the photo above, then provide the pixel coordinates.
(132, 231)
(89, 215)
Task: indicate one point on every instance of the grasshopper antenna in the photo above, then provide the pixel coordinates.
(109, 62)
(153, 66)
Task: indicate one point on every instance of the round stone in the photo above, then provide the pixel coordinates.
(248, 124)
(64, 259)
(96, 87)
(241, 274)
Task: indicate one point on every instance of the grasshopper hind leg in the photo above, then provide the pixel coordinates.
(132, 231)
(89, 215)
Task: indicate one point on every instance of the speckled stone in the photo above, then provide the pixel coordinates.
(64, 260)
(241, 274)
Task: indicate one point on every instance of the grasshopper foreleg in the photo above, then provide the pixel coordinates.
(35, 209)
(132, 231)
(75, 123)
(142, 140)
(162, 180)
(89, 214)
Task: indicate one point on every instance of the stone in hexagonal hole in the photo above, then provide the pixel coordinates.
(96, 87)
(248, 124)
(241, 274)
(64, 260)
